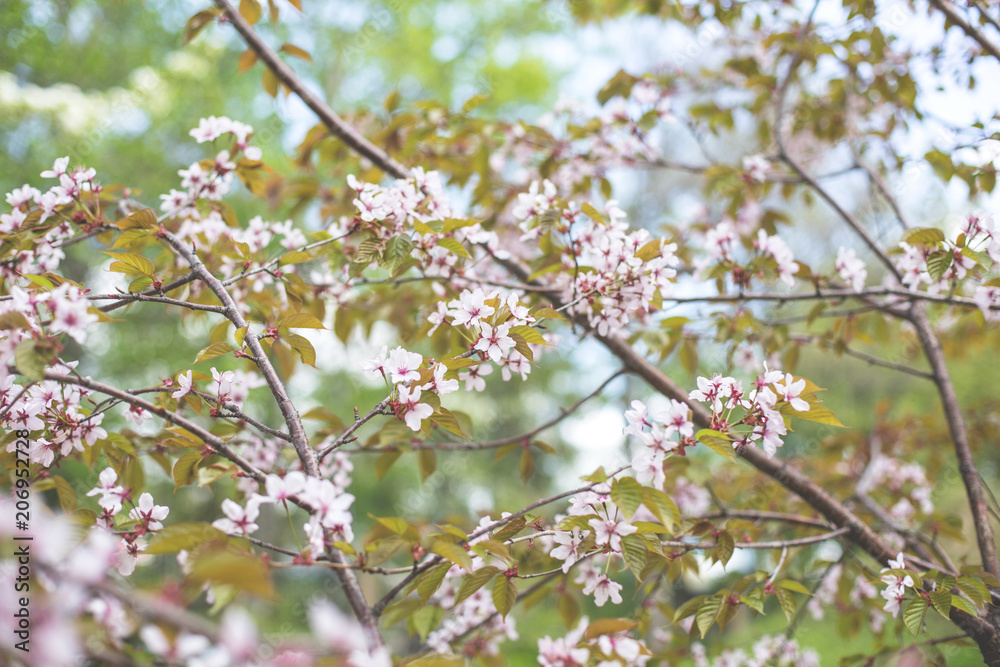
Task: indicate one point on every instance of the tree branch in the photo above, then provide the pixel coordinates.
(955, 17)
(337, 126)
(217, 444)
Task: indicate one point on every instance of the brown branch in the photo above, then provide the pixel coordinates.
(139, 296)
(960, 438)
(830, 294)
(431, 562)
(337, 126)
(217, 444)
(883, 188)
(235, 413)
(779, 544)
(358, 423)
(232, 312)
(758, 515)
(489, 444)
(169, 287)
(299, 440)
(779, 138)
(955, 17)
(864, 356)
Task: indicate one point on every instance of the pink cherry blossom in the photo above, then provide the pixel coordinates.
(412, 410)
(495, 342)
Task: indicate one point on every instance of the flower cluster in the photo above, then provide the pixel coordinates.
(53, 412)
(896, 584)
(722, 241)
(927, 259)
(669, 431)
(771, 391)
(576, 650)
(475, 612)
(850, 268)
(768, 651)
(907, 480)
(594, 525)
(144, 517)
(403, 369)
(329, 507)
(610, 275)
(585, 145)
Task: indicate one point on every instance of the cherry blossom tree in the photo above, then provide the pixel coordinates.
(489, 245)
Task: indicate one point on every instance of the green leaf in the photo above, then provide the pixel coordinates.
(454, 247)
(185, 470)
(453, 552)
(250, 10)
(396, 612)
(787, 602)
(67, 496)
(650, 250)
(635, 552)
(592, 213)
(754, 599)
(430, 580)
(529, 334)
(460, 362)
(724, 548)
(130, 237)
(816, 413)
(662, 507)
(526, 466)
(548, 313)
(294, 256)
(627, 494)
(451, 224)
(242, 570)
(397, 250)
(619, 85)
(130, 264)
(568, 609)
(493, 547)
(301, 321)
(504, 595)
(708, 612)
(609, 626)
(794, 586)
(913, 615)
(30, 362)
(183, 537)
(941, 599)
(963, 604)
(716, 441)
(522, 347)
(446, 420)
(13, 320)
(302, 345)
(474, 581)
(427, 461)
(146, 218)
(938, 262)
(974, 589)
(925, 236)
(399, 526)
(212, 351)
(473, 102)
(510, 529)
(293, 50)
